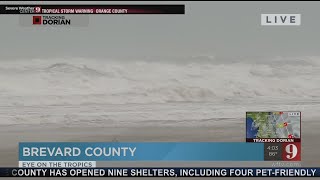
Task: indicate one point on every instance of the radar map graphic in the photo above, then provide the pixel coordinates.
(273, 124)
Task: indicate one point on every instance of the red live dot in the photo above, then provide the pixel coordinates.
(285, 124)
(290, 136)
(280, 112)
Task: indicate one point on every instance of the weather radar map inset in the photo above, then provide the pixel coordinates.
(272, 126)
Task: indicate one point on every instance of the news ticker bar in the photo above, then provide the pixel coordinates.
(160, 172)
(92, 9)
(158, 151)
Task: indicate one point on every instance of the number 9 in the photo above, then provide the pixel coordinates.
(292, 151)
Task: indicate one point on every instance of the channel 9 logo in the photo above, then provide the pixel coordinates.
(291, 152)
(37, 9)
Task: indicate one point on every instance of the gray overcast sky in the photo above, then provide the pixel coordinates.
(226, 29)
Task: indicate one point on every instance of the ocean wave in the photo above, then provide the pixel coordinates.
(121, 81)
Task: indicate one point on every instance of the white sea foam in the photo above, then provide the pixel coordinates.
(121, 93)
(64, 81)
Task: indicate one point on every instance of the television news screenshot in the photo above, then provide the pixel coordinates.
(150, 89)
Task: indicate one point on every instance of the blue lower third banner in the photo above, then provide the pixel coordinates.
(161, 172)
(150, 151)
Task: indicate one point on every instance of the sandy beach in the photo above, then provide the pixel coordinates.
(231, 132)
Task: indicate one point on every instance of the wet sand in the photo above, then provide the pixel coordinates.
(231, 132)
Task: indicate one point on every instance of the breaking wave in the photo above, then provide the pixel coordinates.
(53, 81)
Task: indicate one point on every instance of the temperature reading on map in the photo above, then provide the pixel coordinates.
(272, 152)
